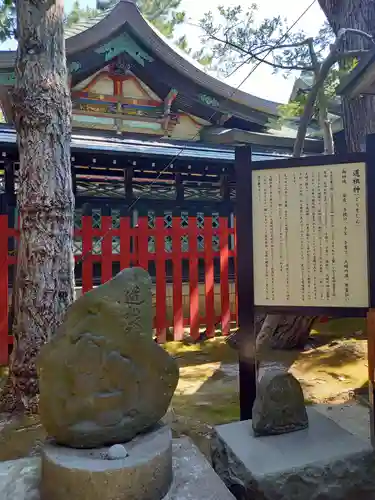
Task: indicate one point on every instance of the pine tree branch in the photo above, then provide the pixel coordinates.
(333, 57)
(283, 46)
(161, 10)
(259, 59)
(342, 33)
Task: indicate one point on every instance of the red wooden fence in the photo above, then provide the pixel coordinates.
(134, 250)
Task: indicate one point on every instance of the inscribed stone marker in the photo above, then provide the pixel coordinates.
(103, 379)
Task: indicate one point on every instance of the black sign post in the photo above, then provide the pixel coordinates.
(305, 241)
(245, 282)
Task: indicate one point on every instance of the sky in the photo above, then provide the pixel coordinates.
(262, 82)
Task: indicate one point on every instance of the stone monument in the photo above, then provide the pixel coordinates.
(279, 406)
(104, 387)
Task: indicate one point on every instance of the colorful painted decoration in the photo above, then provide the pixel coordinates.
(74, 66)
(7, 78)
(209, 100)
(124, 43)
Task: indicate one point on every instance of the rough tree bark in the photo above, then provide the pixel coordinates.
(359, 114)
(282, 332)
(340, 52)
(45, 268)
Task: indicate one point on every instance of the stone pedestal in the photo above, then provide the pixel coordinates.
(322, 462)
(193, 478)
(146, 474)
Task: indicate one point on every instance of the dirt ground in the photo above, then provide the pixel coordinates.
(333, 371)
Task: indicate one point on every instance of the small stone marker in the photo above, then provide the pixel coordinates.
(279, 406)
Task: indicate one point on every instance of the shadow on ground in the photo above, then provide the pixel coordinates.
(208, 388)
(207, 393)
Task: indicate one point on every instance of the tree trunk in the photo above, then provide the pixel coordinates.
(326, 126)
(284, 332)
(44, 285)
(359, 120)
(359, 113)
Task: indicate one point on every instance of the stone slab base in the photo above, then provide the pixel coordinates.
(193, 477)
(323, 462)
(89, 475)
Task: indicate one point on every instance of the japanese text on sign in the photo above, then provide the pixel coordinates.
(310, 236)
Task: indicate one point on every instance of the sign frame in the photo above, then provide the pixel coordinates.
(244, 168)
(329, 161)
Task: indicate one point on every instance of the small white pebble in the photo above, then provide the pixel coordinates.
(117, 451)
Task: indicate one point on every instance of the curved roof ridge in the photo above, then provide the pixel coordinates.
(85, 24)
(125, 15)
(225, 90)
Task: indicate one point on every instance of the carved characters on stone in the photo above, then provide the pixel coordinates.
(103, 379)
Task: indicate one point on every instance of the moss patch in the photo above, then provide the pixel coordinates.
(209, 351)
(20, 437)
(208, 389)
(337, 366)
(218, 408)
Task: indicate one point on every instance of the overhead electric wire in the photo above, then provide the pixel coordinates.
(170, 163)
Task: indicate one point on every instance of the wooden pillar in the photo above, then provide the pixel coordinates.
(245, 282)
(74, 176)
(179, 188)
(225, 188)
(371, 368)
(10, 199)
(9, 180)
(10, 209)
(128, 181)
(370, 184)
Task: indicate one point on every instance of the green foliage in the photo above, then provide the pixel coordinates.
(164, 14)
(291, 109)
(7, 19)
(201, 56)
(79, 13)
(233, 36)
(236, 36)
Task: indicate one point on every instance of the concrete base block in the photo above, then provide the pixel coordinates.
(193, 478)
(146, 474)
(322, 462)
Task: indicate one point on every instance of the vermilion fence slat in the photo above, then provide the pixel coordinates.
(125, 238)
(209, 277)
(87, 261)
(224, 277)
(161, 293)
(178, 313)
(106, 260)
(235, 270)
(142, 242)
(138, 254)
(4, 290)
(193, 278)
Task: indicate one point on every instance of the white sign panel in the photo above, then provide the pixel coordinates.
(310, 236)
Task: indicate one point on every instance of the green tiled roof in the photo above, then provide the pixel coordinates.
(82, 26)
